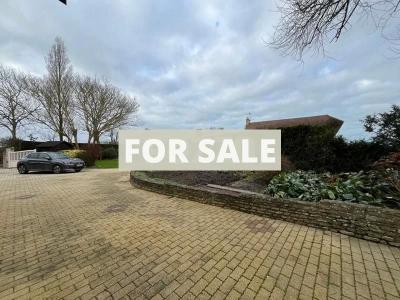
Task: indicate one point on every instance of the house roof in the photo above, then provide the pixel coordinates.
(52, 144)
(322, 120)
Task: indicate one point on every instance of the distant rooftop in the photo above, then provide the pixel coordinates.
(52, 144)
(323, 120)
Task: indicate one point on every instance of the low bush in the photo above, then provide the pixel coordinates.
(109, 153)
(376, 188)
(392, 161)
(264, 177)
(18, 144)
(93, 152)
(10, 143)
(82, 154)
(73, 153)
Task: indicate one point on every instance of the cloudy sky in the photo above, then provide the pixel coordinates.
(201, 64)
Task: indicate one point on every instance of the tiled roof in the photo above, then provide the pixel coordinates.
(305, 121)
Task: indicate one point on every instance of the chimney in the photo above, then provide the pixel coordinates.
(247, 121)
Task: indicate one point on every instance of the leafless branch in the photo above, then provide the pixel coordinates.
(16, 107)
(308, 24)
(54, 93)
(102, 106)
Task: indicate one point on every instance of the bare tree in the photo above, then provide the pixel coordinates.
(54, 92)
(15, 105)
(102, 107)
(71, 120)
(113, 134)
(307, 24)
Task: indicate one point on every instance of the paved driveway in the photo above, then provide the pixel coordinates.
(92, 234)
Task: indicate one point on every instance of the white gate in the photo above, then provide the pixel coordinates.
(12, 157)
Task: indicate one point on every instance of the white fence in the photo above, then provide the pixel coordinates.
(11, 157)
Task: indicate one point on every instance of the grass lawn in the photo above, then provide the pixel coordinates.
(107, 163)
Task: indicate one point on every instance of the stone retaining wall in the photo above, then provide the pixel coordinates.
(358, 220)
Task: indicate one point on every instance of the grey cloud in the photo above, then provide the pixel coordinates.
(197, 64)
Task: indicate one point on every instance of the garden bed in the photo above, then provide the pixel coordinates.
(197, 178)
(251, 181)
(376, 188)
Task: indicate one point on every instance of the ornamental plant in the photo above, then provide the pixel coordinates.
(82, 154)
(379, 188)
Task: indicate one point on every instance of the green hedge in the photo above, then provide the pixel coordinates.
(354, 156)
(308, 147)
(109, 153)
(316, 148)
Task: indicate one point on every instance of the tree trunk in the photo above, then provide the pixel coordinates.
(60, 122)
(75, 134)
(96, 137)
(14, 133)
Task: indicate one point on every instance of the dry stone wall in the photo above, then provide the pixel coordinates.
(358, 220)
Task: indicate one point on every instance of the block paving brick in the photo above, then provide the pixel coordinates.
(91, 235)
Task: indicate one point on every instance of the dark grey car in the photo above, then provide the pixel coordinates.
(55, 162)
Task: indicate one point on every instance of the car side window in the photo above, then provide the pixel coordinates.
(43, 155)
(33, 155)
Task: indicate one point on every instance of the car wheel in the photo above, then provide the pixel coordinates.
(78, 170)
(57, 169)
(22, 169)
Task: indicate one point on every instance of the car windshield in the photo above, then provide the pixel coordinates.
(58, 155)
